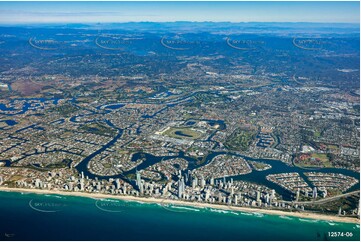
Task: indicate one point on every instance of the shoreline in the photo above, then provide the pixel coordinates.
(306, 215)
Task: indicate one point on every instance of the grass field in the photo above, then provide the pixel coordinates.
(240, 139)
(332, 147)
(99, 129)
(323, 157)
(316, 160)
(183, 133)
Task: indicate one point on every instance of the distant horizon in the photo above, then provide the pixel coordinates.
(177, 21)
(159, 12)
(174, 22)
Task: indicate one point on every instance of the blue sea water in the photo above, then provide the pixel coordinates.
(52, 217)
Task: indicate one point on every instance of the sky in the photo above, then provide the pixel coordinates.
(102, 12)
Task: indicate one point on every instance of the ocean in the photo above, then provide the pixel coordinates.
(25, 216)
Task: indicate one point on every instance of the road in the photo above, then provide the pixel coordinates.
(328, 199)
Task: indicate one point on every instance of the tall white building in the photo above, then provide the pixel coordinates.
(297, 194)
(82, 184)
(314, 193)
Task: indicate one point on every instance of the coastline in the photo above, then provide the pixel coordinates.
(306, 215)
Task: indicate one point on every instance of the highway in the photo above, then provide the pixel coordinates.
(328, 199)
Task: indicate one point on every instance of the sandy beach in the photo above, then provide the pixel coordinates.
(306, 215)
